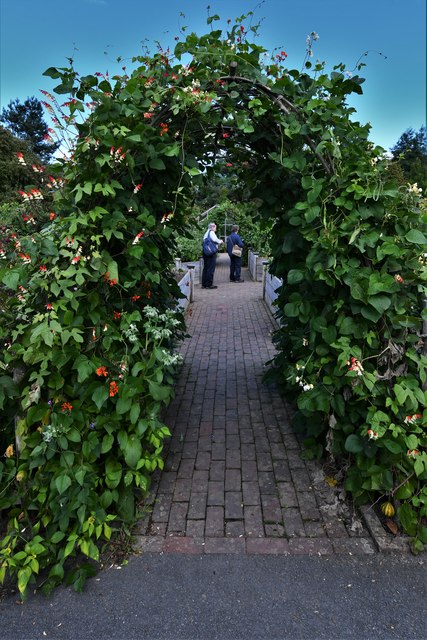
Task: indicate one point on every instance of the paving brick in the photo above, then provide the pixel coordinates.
(251, 495)
(195, 528)
(214, 521)
(235, 529)
(197, 506)
(167, 482)
(271, 511)
(225, 545)
(266, 482)
(186, 468)
(281, 470)
(215, 492)
(189, 450)
(162, 507)
(200, 480)
(217, 470)
(267, 546)
(177, 517)
(253, 521)
(287, 494)
(176, 544)
(248, 451)
(274, 530)
(233, 480)
(264, 462)
(249, 471)
(233, 505)
(233, 459)
(203, 460)
(292, 522)
(218, 450)
(182, 490)
(301, 479)
(246, 436)
(148, 544)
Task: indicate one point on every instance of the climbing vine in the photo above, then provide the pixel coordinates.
(90, 325)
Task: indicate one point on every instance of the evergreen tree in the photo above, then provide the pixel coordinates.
(410, 154)
(14, 176)
(26, 122)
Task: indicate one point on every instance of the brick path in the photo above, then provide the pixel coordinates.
(234, 481)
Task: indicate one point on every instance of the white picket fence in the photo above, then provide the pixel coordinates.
(258, 270)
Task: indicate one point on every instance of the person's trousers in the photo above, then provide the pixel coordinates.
(209, 263)
(235, 267)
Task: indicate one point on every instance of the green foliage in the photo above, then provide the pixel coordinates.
(410, 155)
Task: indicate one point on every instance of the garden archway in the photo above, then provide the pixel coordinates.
(97, 362)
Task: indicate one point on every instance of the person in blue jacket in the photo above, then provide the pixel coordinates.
(235, 261)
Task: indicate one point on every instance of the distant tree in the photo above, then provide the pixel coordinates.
(26, 122)
(14, 176)
(410, 154)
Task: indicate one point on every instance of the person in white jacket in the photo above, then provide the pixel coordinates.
(209, 261)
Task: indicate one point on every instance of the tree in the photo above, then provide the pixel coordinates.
(26, 122)
(410, 154)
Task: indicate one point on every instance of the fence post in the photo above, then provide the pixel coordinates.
(201, 265)
(265, 264)
(191, 268)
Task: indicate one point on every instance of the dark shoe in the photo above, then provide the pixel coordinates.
(213, 286)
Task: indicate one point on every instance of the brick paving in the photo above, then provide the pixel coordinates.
(234, 480)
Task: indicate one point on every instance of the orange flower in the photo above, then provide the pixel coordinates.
(113, 389)
(117, 315)
(9, 451)
(135, 298)
(102, 371)
(66, 406)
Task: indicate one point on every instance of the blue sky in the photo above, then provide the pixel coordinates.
(37, 35)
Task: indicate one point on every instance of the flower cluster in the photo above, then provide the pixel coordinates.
(355, 365)
(33, 194)
(138, 237)
(373, 435)
(117, 155)
(114, 389)
(131, 333)
(306, 386)
(413, 418)
(413, 453)
(415, 189)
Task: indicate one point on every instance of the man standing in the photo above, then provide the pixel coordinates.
(209, 261)
(235, 260)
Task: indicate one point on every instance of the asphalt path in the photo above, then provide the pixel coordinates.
(226, 597)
